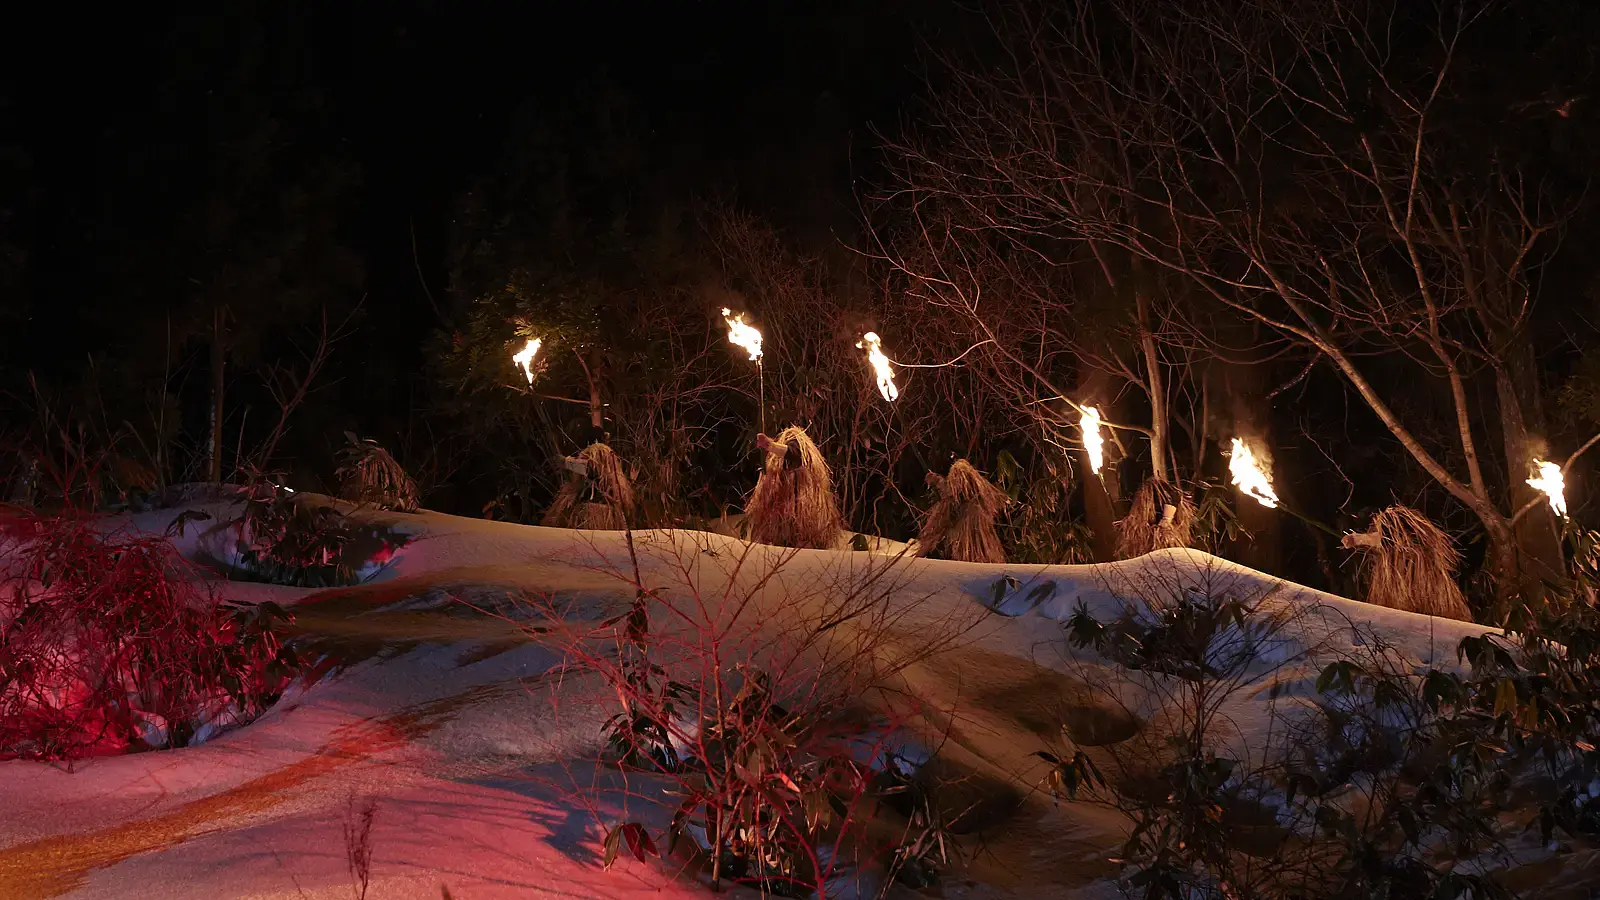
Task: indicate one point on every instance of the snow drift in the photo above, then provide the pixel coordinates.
(465, 733)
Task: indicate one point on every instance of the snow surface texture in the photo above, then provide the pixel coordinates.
(462, 731)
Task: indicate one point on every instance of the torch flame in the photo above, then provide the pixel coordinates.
(1550, 481)
(880, 365)
(524, 357)
(1249, 476)
(742, 335)
(1089, 422)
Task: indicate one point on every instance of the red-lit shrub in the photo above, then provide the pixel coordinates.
(107, 645)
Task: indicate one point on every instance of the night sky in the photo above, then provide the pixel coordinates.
(771, 103)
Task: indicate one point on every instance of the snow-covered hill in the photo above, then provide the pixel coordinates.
(467, 734)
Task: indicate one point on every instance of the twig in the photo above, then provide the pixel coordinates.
(416, 261)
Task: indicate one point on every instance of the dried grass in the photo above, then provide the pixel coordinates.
(598, 501)
(960, 525)
(1147, 527)
(1409, 563)
(370, 475)
(793, 505)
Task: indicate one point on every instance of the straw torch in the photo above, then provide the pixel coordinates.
(1252, 478)
(1093, 443)
(747, 338)
(524, 357)
(880, 365)
(1549, 481)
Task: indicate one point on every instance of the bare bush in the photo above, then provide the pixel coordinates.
(769, 710)
(358, 819)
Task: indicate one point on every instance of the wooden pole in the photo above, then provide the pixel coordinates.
(596, 413)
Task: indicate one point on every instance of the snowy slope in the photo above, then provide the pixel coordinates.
(464, 732)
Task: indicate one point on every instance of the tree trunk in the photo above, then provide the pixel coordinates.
(1508, 574)
(218, 362)
(1158, 390)
(1536, 539)
(1097, 505)
(596, 413)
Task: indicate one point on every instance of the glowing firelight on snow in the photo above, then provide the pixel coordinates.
(880, 365)
(742, 335)
(1089, 422)
(524, 357)
(1554, 486)
(1249, 476)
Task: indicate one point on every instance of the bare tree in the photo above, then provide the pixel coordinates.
(1292, 164)
(1062, 326)
(288, 384)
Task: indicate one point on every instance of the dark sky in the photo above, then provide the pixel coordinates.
(118, 136)
(113, 113)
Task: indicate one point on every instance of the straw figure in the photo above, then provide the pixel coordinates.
(793, 503)
(368, 474)
(960, 525)
(1161, 516)
(596, 494)
(1410, 564)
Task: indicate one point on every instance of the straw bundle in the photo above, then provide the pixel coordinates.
(596, 494)
(960, 525)
(368, 474)
(1410, 564)
(1161, 516)
(793, 503)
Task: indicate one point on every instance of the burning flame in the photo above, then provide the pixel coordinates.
(524, 357)
(880, 365)
(742, 335)
(1550, 481)
(1249, 476)
(1089, 422)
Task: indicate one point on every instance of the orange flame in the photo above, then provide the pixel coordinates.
(742, 335)
(1089, 422)
(1249, 476)
(524, 357)
(880, 365)
(1550, 480)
